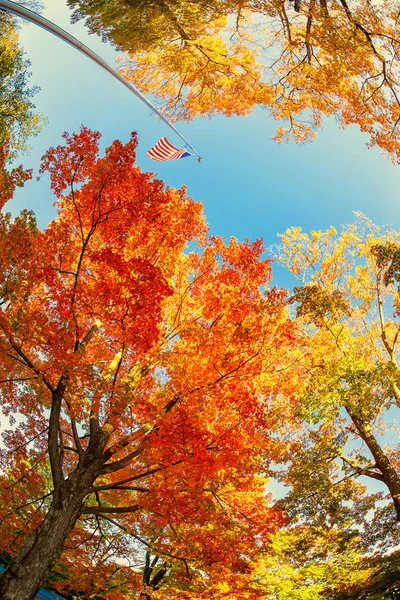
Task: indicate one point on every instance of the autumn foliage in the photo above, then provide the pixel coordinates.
(300, 60)
(136, 368)
(17, 118)
(153, 381)
(336, 417)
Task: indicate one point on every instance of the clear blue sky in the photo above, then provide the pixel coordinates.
(250, 186)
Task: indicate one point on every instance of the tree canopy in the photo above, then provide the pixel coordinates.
(156, 381)
(153, 381)
(336, 415)
(299, 60)
(347, 374)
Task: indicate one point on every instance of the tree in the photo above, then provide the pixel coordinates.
(334, 418)
(339, 409)
(18, 121)
(134, 369)
(299, 61)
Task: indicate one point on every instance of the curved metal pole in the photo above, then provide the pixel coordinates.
(25, 13)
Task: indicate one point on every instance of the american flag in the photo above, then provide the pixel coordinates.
(164, 150)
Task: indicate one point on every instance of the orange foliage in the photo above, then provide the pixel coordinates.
(300, 60)
(136, 369)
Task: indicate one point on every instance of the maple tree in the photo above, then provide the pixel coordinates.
(299, 60)
(18, 121)
(135, 370)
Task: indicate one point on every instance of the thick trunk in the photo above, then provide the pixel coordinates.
(43, 548)
(41, 551)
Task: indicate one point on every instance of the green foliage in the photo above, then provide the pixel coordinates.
(388, 261)
(338, 432)
(319, 304)
(309, 563)
(382, 582)
(18, 121)
(143, 25)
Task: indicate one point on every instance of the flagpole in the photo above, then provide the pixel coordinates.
(26, 13)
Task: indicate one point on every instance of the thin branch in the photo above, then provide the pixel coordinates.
(81, 346)
(28, 363)
(76, 437)
(144, 542)
(12, 379)
(16, 508)
(361, 28)
(361, 470)
(123, 462)
(134, 478)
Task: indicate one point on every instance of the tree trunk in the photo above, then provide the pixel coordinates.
(389, 473)
(26, 573)
(30, 568)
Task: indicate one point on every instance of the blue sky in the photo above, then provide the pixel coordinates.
(250, 186)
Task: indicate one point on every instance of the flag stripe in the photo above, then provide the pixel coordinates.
(164, 150)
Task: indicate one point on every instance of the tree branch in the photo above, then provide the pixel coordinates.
(54, 430)
(100, 510)
(123, 462)
(134, 478)
(28, 441)
(144, 542)
(362, 470)
(28, 363)
(81, 346)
